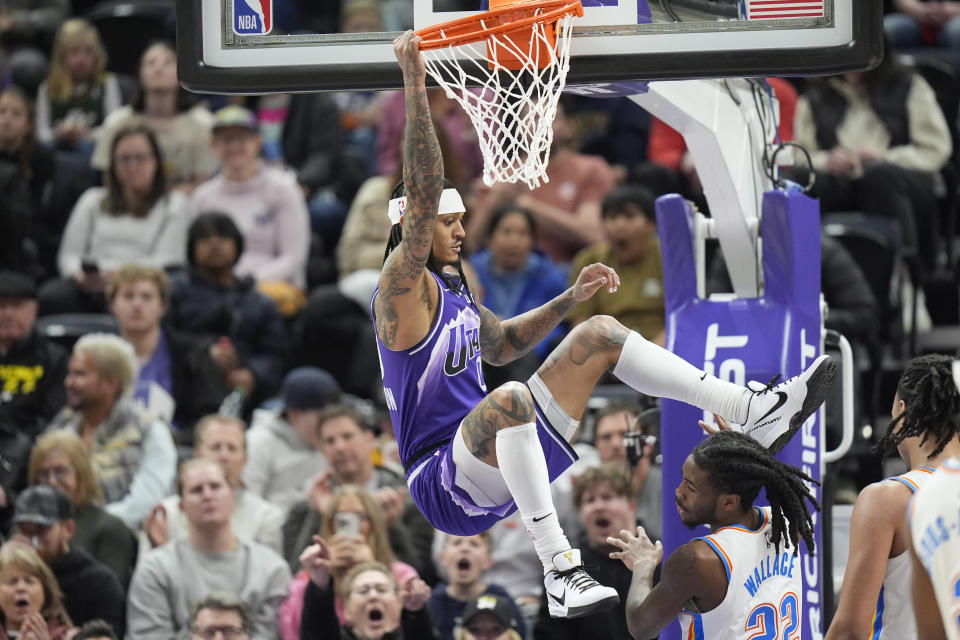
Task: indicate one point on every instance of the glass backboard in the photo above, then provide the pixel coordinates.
(266, 46)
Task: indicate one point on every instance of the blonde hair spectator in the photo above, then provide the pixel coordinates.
(14, 557)
(88, 490)
(74, 31)
(131, 273)
(377, 538)
(112, 356)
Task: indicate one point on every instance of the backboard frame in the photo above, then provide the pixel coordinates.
(855, 42)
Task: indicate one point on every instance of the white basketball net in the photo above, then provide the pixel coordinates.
(512, 111)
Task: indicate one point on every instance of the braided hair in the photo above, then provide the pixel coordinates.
(933, 405)
(739, 465)
(396, 236)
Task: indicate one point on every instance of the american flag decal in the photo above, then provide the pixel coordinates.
(771, 9)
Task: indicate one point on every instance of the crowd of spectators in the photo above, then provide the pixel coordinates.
(216, 459)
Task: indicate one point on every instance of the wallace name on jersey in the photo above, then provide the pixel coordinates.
(772, 565)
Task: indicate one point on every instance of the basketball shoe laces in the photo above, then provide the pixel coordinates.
(770, 386)
(579, 579)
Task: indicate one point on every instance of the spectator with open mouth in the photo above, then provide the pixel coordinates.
(465, 560)
(376, 608)
(354, 532)
(30, 606)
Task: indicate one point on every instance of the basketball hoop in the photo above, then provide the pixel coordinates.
(520, 75)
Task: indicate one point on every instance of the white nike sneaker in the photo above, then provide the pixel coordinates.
(572, 592)
(775, 413)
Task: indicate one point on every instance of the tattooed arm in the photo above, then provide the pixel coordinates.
(692, 573)
(503, 341)
(408, 295)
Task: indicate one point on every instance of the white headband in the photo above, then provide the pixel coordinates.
(450, 202)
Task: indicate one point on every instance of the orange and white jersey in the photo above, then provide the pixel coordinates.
(935, 529)
(763, 588)
(893, 616)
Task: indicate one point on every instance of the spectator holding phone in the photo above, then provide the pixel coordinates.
(348, 444)
(353, 532)
(134, 219)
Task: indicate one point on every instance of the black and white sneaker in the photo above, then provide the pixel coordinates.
(775, 413)
(572, 592)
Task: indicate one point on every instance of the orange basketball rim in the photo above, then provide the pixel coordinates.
(515, 20)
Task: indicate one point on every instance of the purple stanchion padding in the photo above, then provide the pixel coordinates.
(742, 340)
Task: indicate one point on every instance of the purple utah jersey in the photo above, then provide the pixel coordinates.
(432, 386)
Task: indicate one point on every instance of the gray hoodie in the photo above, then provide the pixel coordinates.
(280, 465)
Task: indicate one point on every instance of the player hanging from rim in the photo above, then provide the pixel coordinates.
(472, 457)
(743, 577)
(875, 600)
(935, 537)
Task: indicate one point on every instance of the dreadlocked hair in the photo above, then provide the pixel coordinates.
(396, 236)
(741, 466)
(933, 405)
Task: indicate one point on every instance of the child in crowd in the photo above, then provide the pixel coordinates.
(490, 617)
(464, 560)
(78, 93)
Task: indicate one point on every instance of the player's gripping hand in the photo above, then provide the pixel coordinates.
(636, 551)
(407, 50)
(592, 278)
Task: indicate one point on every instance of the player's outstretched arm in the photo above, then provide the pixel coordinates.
(403, 303)
(503, 341)
(650, 609)
(874, 521)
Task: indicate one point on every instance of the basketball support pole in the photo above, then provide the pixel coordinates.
(725, 137)
(720, 125)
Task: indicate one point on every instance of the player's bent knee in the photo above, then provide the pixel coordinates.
(516, 401)
(606, 327)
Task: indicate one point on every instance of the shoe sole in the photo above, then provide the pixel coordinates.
(595, 607)
(818, 388)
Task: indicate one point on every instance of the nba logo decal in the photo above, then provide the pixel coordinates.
(252, 17)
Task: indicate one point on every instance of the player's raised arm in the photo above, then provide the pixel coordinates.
(403, 305)
(422, 161)
(504, 341)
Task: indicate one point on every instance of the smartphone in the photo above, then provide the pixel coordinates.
(347, 524)
(89, 266)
